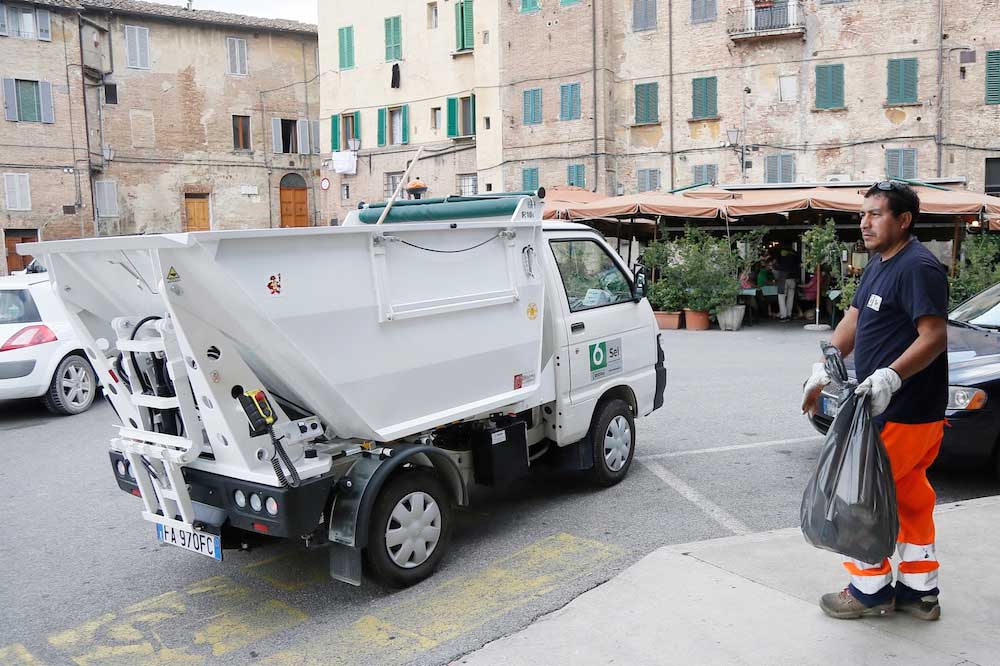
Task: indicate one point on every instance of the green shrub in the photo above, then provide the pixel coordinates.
(979, 270)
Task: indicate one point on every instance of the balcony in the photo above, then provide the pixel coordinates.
(767, 19)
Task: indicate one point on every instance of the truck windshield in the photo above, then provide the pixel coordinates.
(591, 277)
(17, 307)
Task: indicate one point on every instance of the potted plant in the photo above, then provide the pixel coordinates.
(740, 256)
(821, 248)
(703, 267)
(667, 298)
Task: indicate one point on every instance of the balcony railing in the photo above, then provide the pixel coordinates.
(767, 19)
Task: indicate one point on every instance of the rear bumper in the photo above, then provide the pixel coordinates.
(300, 510)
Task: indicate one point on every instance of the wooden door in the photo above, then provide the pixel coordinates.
(197, 213)
(12, 237)
(294, 207)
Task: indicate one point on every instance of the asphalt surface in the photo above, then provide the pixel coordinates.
(83, 580)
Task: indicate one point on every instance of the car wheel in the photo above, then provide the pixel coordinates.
(73, 387)
(612, 437)
(410, 529)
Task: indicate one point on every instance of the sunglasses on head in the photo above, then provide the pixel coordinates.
(887, 185)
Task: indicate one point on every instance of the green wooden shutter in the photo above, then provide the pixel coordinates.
(711, 97)
(345, 42)
(529, 179)
(389, 50)
(459, 26)
(893, 168)
(472, 109)
(382, 113)
(829, 86)
(772, 169)
(334, 133)
(993, 77)
(640, 103)
(341, 51)
(837, 86)
(452, 116)
(909, 84)
(468, 31)
(398, 35)
(393, 38)
(902, 81)
(406, 123)
(787, 164)
(532, 111)
(647, 103)
(822, 87)
(357, 124)
(704, 102)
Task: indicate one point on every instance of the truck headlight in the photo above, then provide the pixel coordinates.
(964, 397)
(272, 506)
(120, 467)
(255, 502)
(240, 498)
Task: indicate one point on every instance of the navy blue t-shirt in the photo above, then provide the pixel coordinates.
(892, 295)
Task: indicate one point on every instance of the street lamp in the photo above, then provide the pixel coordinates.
(735, 138)
(353, 144)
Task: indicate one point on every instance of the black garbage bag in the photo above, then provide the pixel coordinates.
(849, 506)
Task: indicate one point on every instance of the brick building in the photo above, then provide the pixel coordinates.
(686, 91)
(134, 117)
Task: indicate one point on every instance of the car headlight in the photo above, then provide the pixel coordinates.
(255, 502)
(240, 498)
(964, 397)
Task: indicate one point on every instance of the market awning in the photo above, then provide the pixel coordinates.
(559, 198)
(648, 204)
(761, 202)
(932, 201)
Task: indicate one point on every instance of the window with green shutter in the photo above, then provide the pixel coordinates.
(902, 81)
(529, 5)
(452, 112)
(29, 101)
(706, 173)
(649, 180)
(703, 11)
(779, 168)
(394, 38)
(901, 163)
(382, 113)
(464, 33)
(529, 179)
(704, 101)
(993, 77)
(532, 106)
(647, 103)
(829, 86)
(576, 174)
(569, 101)
(335, 133)
(345, 44)
(643, 15)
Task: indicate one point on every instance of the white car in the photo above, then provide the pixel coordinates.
(40, 357)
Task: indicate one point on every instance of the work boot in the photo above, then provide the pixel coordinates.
(845, 606)
(924, 608)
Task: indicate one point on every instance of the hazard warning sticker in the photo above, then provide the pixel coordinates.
(173, 275)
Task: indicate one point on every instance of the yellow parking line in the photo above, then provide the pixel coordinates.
(432, 616)
(292, 572)
(17, 655)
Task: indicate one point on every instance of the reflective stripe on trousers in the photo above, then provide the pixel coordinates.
(911, 448)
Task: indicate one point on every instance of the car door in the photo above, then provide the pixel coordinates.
(611, 337)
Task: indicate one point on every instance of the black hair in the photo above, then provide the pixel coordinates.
(901, 199)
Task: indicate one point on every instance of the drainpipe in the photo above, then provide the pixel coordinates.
(670, 79)
(593, 53)
(939, 138)
(86, 125)
(267, 161)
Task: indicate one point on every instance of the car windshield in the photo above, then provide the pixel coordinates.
(983, 309)
(17, 307)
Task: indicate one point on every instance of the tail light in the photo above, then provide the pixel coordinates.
(29, 336)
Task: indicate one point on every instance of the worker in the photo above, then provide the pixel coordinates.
(897, 328)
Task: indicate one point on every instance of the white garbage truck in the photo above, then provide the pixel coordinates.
(344, 387)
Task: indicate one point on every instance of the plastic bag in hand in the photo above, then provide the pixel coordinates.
(849, 506)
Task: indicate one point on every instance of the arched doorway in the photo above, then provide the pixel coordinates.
(294, 201)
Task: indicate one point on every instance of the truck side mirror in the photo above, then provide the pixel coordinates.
(640, 283)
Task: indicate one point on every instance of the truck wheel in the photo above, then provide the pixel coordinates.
(612, 437)
(73, 387)
(410, 528)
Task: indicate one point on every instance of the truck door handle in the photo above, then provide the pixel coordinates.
(577, 327)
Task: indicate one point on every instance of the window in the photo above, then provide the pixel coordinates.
(829, 86)
(106, 196)
(902, 81)
(576, 174)
(436, 118)
(532, 106)
(465, 36)
(643, 15)
(901, 163)
(393, 38)
(706, 173)
(993, 176)
(461, 116)
(779, 168)
(236, 47)
(647, 103)
(28, 101)
(529, 179)
(345, 44)
(468, 184)
(392, 181)
(110, 93)
(703, 98)
(345, 191)
(649, 180)
(26, 22)
(17, 191)
(788, 88)
(529, 5)
(343, 128)
(137, 47)
(394, 125)
(352, 128)
(591, 279)
(432, 15)
(241, 133)
(702, 11)
(993, 77)
(292, 136)
(17, 306)
(569, 101)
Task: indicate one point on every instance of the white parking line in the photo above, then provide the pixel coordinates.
(713, 510)
(734, 447)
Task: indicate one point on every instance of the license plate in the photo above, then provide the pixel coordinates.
(197, 542)
(830, 406)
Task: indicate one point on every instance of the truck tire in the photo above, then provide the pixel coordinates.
(73, 387)
(612, 437)
(410, 528)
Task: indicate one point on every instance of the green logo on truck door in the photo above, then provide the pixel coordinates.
(605, 359)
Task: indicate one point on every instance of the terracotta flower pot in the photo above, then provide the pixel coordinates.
(696, 320)
(669, 320)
